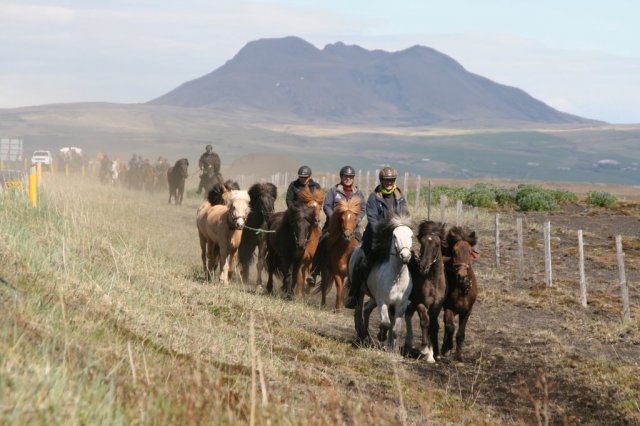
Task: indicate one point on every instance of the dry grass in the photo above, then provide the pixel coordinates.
(107, 320)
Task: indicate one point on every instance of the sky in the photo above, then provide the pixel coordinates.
(581, 57)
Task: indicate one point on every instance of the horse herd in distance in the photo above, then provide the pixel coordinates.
(234, 224)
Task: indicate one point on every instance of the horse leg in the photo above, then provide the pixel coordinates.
(211, 248)
(368, 308)
(233, 260)
(262, 250)
(462, 325)
(385, 322)
(203, 254)
(395, 331)
(408, 337)
(434, 328)
(224, 264)
(449, 329)
(339, 285)
(426, 347)
(300, 275)
(271, 271)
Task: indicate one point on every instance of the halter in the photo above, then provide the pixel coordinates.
(455, 267)
(394, 250)
(435, 259)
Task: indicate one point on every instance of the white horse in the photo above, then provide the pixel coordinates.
(115, 172)
(389, 281)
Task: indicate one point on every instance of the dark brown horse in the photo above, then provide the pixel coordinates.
(176, 175)
(462, 287)
(429, 287)
(263, 197)
(341, 241)
(218, 193)
(285, 247)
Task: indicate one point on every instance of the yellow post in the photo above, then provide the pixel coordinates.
(39, 173)
(66, 169)
(33, 186)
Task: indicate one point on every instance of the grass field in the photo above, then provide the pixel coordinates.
(107, 320)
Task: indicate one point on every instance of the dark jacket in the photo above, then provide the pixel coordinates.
(335, 194)
(378, 209)
(295, 187)
(212, 159)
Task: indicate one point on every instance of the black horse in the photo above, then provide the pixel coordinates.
(176, 175)
(286, 246)
(263, 197)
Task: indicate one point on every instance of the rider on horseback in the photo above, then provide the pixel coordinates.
(385, 199)
(304, 181)
(208, 159)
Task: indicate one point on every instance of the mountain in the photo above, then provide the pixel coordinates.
(290, 77)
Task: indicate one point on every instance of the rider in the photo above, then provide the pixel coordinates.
(207, 158)
(385, 199)
(345, 190)
(304, 181)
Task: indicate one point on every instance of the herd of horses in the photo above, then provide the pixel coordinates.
(233, 224)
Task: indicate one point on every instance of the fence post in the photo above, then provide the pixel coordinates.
(583, 279)
(626, 312)
(497, 240)
(417, 194)
(33, 186)
(406, 181)
(367, 187)
(443, 204)
(429, 202)
(547, 254)
(360, 180)
(458, 212)
(520, 243)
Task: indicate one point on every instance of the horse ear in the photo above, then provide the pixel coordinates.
(473, 239)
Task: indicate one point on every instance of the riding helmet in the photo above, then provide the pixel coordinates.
(347, 171)
(209, 148)
(304, 171)
(388, 173)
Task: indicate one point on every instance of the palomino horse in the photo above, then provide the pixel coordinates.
(462, 288)
(312, 199)
(220, 230)
(389, 281)
(285, 247)
(341, 241)
(429, 286)
(263, 197)
(176, 175)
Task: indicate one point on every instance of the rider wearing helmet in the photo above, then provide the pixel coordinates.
(385, 199)
(304, 181)
(345, 190)
(208, 158)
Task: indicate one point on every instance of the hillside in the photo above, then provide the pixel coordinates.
(107, 319)
(290, 77)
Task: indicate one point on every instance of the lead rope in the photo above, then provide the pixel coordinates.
(259, 230)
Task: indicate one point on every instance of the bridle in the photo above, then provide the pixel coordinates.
(437, 257)
(456, 267)
(394, 248)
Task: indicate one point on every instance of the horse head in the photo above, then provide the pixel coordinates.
(238, 204)
(460, 253)
(302, 219)
(263, 197)
(401, 243)
(182, 165)
(346, 214)
(431, 236)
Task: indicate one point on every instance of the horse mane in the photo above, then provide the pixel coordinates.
(428, 227)
(237, 195)
(215, 195)
(181, 161)
(455, 234)
(308, 197)
(352, 205)
(258, 190)
(231, 185)
(383, 235)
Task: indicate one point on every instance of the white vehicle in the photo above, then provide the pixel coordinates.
(43, 157)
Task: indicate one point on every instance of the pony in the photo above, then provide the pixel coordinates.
(313, 199)
(220, 231)
(389, 282)
(341, 242)
(148, 176)
(176, 175)
(462, 287)
(429, 286)
(263, 197)
(210, 176)
(285, 247)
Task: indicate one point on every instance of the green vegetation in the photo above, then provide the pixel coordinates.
(602, 199)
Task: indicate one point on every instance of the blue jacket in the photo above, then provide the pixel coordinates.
(378, 209)
(335, 194)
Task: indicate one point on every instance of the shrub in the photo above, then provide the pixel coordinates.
(481, 195)
(563, 196)
(537, 200)
(452, 193)
(602, 199)
(506, 196)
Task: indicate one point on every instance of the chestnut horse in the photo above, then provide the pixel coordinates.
(220, 230)
(341, 241)
(429, 287)
(312, 199)
(286, 246)
(462, 288)
(263, 197)
(176, 175)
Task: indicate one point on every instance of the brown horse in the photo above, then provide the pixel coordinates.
(462, 287)
(429, 287)
(286, 246)
(313, 199)
(220, 231)
(263, 197)
(176, 175)
(341, 241)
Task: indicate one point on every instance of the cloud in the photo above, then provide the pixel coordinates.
(14, 13)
